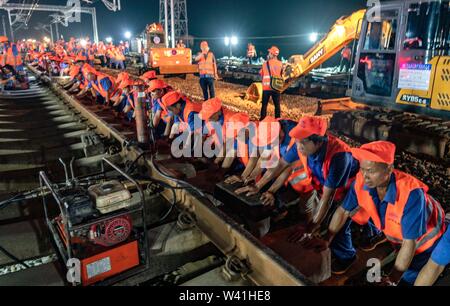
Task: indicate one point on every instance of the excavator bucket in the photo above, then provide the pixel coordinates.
(255, 93)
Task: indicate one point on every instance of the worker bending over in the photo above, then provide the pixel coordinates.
(160, 118)
(398, 204)
(186, 121)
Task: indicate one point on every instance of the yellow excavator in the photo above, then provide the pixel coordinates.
(402, 60)
(344, 31)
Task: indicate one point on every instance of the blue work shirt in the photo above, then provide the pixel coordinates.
(441, 255)
(342, 167)
(290, 155)
(415, 214)
(156, 106)
(105, 83)
(190, 120)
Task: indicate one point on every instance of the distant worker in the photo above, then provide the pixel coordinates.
(180, 44)
(346, 57)
(11, 55)
(270, 69)
(208, 71)
(251, 53)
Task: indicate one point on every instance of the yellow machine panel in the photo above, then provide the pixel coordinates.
(441, 90)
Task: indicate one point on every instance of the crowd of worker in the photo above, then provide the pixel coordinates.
(271, 156)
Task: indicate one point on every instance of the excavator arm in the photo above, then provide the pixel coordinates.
(344, 31)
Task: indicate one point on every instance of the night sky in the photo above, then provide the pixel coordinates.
(216, 19)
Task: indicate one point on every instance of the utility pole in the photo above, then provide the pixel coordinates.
(4, 25)
(51, 34)
(166, 24)
(175, 19)
(57, 32)
(94, 24)
(172, 22)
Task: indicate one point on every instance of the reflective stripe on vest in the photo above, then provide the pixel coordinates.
(334, 146)
(394, 213)
(299, 179)
(276, 67)
(206, 64)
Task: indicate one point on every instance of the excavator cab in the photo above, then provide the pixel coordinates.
(403, 59)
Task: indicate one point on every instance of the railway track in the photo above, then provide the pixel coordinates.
(214, 238)
(216, 242)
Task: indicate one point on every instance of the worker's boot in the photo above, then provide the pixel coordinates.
(340, 267)
(370, 244)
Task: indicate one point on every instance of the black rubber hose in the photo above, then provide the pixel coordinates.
(14, 258)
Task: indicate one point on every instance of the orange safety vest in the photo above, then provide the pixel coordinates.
(207, 64)
(297, 180)
(74, 71)
(276, 68)
(99, 88)
(101, 50)
(118, 55)
(91, 55)
(393, 226)
(10, 57)
(251, 51)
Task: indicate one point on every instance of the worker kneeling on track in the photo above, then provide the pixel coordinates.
(101, 86)
(236, 150)
(124, 105)
(326, 163)
(186, 123)
(217, 123)
(160, 117)
(398, 204)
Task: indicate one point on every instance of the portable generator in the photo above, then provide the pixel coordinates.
(96, 225)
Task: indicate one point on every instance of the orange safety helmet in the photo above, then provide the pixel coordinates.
(149, 75)
(157, 84)
(171, 98)
(309, 126)
(274, 51)
(209, 108)
(379, 152)
(3, 39)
